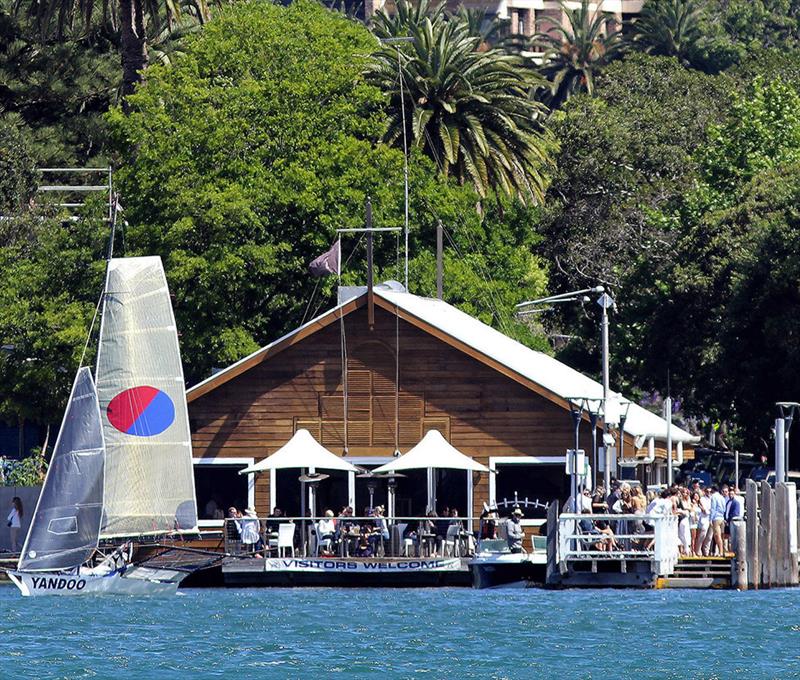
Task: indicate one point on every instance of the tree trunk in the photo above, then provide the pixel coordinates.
(134, 46)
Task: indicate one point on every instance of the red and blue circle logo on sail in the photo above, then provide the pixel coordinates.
(141, 411)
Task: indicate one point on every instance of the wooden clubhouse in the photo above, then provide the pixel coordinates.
(369, 378)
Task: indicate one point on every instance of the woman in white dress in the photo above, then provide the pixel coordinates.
(14, 522)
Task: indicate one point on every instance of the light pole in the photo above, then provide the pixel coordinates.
(605, 301)
(783, 424)
(397, 42)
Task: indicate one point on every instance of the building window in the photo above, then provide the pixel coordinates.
(529, 482)
(219, 486)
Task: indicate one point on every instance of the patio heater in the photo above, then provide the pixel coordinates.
(309, 480)
(372, 486)
(391, 484)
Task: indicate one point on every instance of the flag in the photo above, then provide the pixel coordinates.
(328, 262)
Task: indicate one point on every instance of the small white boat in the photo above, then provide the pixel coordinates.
(122, 464)
(495, 566)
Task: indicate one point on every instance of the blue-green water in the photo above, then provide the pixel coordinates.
(447, 633)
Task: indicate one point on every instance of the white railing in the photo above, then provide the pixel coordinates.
(405, 539)
(657, 542)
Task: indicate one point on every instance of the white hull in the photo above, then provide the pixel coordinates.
(130, 581)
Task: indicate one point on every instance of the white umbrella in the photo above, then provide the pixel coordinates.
(304, 452)
(301, 451)
(433, 451)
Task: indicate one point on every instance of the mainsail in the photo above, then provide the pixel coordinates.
(149, 482)
(66, 523)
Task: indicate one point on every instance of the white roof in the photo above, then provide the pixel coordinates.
(538, 367)
(301, 451)
(541, 368)
(433, 451)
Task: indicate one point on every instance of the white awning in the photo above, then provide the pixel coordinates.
(433, 451)
(301, 451)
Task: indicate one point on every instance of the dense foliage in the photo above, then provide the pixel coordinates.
(666, 168)
(249, 153)
(464, 104)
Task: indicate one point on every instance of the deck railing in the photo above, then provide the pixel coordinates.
(402, 540)
(657, 541)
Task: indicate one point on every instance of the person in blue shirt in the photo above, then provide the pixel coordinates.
(718, 502)
(733, 510)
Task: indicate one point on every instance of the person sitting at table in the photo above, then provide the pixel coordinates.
(365, 541)
(380, 523)
(326, 529)
(274, 521)
(426, 534)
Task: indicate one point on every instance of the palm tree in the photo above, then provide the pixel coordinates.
(668, 28)
(133, 19)
(573, 53)
(468, 109)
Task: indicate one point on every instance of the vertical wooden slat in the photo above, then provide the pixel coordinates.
(753, 562)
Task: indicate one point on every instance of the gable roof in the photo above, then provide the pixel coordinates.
(536, 370)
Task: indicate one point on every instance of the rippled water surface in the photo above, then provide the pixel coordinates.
(445, 633)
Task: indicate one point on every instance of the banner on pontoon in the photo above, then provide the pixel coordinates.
(322, 565)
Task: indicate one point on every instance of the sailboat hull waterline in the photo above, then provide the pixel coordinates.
(140, 581)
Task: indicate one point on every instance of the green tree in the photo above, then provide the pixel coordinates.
(52, 278)
(250, 150)
(135, 22)
(574, 53)
(725, 278)
(18, 175)
(467, 108)
(57, 91)
(668, 28)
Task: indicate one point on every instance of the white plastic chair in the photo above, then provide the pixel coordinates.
(405, 543)
(285, 538)
(450, 546)
(320, 542)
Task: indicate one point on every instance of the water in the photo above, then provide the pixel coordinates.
(444, 633)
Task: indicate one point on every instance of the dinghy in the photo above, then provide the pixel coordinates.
(121, 470)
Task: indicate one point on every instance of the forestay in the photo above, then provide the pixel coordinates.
(149, 486)
(66, 522)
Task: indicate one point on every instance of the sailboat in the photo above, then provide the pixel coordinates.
(121, 469)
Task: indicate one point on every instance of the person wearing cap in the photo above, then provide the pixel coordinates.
(514, 532)
(250, 532)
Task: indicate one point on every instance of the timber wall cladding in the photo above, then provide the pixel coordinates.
(481, 411)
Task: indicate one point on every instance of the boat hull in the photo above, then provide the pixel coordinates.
(506, 570)
(141, 581)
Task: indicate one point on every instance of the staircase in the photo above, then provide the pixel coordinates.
(699, 572)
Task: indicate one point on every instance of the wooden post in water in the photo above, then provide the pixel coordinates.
(739, 547)
(764, 543)
(774, 543)
(751, 508)
(794, 567)
(780, 535)
(552, 543)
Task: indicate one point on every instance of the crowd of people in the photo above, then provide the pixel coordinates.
(704, 516)
(343, 534)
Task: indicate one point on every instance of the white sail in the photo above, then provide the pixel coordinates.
(66, 523)
(149, 482)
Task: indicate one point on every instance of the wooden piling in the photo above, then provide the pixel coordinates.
(751, 508)
(764, 535)
(780, 532)
(793, 532)
(552, 573)
(739, 547)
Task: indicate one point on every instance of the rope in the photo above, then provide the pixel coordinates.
(91, 327)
